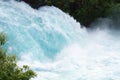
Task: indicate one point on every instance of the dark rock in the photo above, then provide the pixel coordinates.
(35, 3)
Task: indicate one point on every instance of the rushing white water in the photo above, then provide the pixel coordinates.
(54, 45)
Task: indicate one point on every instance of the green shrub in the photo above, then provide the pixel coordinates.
(8, 67)
(2, 38)
(85, 11)
(114, 15)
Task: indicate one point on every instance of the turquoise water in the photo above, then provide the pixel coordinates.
(54, 45)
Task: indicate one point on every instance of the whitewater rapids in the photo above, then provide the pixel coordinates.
(55, 46)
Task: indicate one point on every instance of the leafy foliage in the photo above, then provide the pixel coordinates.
(2, 38)
(85, 11)
(8, 67)
(115, 14)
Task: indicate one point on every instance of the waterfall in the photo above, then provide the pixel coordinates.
(55, 45)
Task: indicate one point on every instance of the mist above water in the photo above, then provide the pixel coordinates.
(54, 45)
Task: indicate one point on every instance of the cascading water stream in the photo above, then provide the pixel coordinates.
(54, 45)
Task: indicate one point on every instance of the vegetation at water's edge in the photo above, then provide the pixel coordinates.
(8, 67)
(85, 11)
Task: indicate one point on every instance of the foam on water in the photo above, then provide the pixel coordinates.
(54, 45)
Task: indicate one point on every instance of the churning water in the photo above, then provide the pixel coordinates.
(54, 45)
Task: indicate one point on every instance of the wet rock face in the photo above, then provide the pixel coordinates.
(35, 3)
